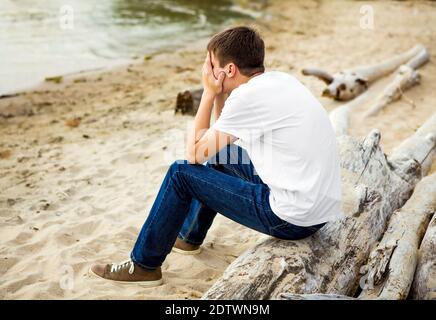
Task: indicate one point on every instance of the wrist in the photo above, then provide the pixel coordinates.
(208, 94)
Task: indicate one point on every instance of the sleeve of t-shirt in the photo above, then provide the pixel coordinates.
(239, 119)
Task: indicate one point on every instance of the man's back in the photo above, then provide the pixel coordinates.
(289, 138)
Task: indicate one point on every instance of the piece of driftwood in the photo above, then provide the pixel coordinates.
(391, 266)
(424, 284)
(319, 296)
(406, 77)
(187, 102)
(427, 154)
(348, 84)
(340, 116)
(330, 261)
(11, 95)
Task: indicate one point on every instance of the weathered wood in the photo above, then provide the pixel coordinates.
(348, 84)
(391, 267)
(424, 284)
(340, 117)
(405, 78)
(187, 102)
(330, 261)
(319, 296)
(426, 155)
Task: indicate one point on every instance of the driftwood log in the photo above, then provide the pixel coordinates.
(348, 84)
(187, 102)
(425, 158)
(406, 226)
(330, 261)
(340, 116)
(391, 267)
(319, 296)
(424, 285)
(406, 77)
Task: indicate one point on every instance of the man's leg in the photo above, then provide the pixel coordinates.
(242, 201)
(232, 160)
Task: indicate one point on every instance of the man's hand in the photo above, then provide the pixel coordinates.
(204, 142)
(212, 85)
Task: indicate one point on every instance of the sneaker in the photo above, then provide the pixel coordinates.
(184, 247)
(127, 272)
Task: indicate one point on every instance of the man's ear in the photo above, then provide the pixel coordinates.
(231, 71)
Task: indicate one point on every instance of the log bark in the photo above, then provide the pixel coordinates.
(391, 267)
(406, 77)
(424, 284)
(348, 84)
(330, 261)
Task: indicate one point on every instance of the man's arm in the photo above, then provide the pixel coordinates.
(204, 142)
(219, 104)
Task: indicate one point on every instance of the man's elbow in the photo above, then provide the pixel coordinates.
(197, 155)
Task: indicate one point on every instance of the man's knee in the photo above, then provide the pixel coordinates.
(176, 168)
(178, 164)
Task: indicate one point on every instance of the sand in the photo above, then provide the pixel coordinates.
(81, 161)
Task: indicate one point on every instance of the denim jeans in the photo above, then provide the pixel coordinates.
(190, 197)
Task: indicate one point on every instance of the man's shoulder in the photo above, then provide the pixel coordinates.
(265, 81)
(279, 75)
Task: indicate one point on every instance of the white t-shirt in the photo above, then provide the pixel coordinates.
(291, 142)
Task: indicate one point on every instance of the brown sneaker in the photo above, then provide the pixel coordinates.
(183, 247)
(127, 272)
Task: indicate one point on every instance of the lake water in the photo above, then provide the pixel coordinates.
(46, 38)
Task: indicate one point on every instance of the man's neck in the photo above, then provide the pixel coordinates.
(256, 74)
(245, 79)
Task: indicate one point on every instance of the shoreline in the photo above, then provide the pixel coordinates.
(81, 161)
(41, 85)
(242, 8)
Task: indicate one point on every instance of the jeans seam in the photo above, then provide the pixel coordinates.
(274, 228)
(206, 181)
(192, 224)
(235, 172)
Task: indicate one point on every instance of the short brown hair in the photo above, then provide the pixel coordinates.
(241, 45)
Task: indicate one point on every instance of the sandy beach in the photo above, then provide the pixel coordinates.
(81, 161)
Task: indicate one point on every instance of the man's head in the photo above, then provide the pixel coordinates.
(239, 53)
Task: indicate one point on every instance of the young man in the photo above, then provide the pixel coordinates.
(282, 178)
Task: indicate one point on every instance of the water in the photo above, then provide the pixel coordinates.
(39, 39)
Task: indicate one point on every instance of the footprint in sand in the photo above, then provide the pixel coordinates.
(7, 263)
(86, 198)
(14, 286)
(130, 158)
(84, 229)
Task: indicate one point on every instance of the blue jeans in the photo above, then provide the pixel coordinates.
(190, 197)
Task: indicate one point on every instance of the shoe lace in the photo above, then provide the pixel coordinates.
(124, 264)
